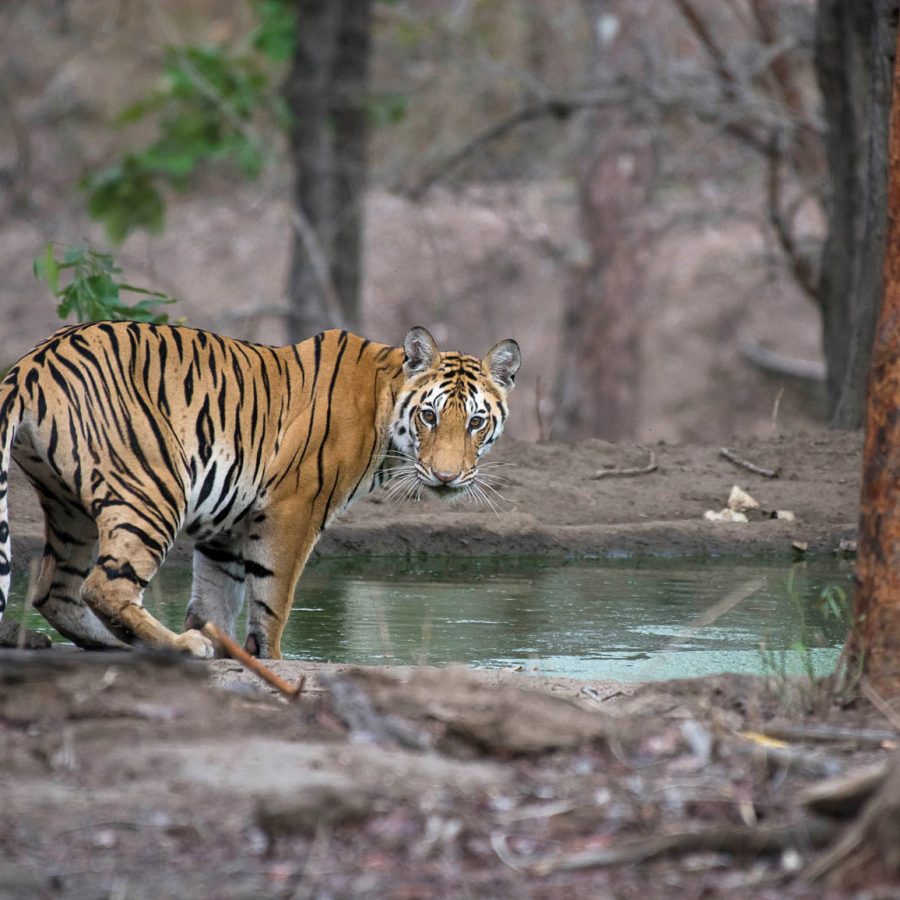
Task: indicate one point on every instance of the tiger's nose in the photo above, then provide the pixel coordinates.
(445, 477)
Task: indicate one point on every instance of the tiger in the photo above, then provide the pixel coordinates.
(133, 433)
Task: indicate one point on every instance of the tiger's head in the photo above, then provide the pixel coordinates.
(450, 411)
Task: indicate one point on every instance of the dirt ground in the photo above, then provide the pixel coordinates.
(140, 776)
(554, 505)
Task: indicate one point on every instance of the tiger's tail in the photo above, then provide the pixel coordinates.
(10, 414)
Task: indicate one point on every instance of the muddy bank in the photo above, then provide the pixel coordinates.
(553, 505)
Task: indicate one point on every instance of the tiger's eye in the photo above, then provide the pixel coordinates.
(428, 417)
(476, 422)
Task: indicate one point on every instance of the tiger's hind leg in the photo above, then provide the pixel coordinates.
(70, 538)
(217, 587)
(115, 587)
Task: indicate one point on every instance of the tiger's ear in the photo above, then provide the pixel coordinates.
(503, 361)
(421, 351)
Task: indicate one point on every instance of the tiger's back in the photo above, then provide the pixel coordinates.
(132, 433)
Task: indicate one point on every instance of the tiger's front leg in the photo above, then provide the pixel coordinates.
(277, 549)
(217, 586)
(115, 587)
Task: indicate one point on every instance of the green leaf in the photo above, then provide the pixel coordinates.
(276, 34)
(93, 292)
(125, 197)
(47, 269)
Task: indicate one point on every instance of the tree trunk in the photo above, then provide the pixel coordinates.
(876, 637)
(854, 54)
(326, 93)
(599, 379)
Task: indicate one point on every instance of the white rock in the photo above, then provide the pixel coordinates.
(739, 500)
(724, 515)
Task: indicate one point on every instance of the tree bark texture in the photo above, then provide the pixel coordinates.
(854, 61)
(326, 92)
(598, 384)
(876, 636)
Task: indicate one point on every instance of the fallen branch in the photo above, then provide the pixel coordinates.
(844, 794)
(731, 456)
(778, 364)
(861, 737)
(809, 763)
(870, 841)
(813, 831)
(235, 651)
(651, 466)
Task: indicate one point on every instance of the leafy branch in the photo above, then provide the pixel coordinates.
(204, 106)
(85, 283)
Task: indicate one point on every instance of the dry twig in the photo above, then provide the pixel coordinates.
(731, 456)
(843, 795)
(871, 839)
(861, 737)
(809, 832)
(236, 652)
(651, 466)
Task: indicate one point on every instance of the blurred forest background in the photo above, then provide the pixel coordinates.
(639, 191)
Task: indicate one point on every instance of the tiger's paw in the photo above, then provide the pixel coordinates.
(196, 644)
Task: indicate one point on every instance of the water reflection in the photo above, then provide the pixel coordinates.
(619, 619)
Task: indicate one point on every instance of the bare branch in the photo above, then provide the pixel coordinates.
(559, 107)
(802, 267)
(703, 33)
(316, 255)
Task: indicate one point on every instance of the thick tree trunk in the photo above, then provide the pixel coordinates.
(876, 637)
(854, 54)
(326, 93)
(599, 377)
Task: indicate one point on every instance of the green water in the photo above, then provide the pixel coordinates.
(601, 619)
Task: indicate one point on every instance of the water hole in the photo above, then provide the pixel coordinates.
(617, 619)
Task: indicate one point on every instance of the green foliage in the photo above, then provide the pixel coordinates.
(276, 33)
(91, 290)
(203, 106)
(206, 108)
(125, 196)
(796, 654)
(834, 604)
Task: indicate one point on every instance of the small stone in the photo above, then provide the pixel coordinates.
(783, 514)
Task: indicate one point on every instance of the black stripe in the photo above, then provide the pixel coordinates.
(257, 570)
